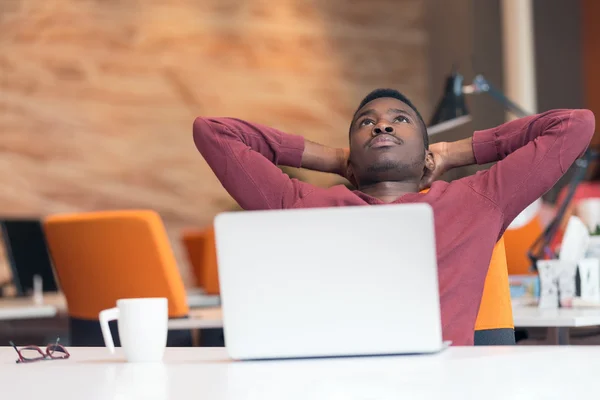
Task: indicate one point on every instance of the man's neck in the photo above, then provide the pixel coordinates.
(388, 192)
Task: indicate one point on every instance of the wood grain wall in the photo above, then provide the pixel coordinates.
(590, 10)
(97, 97)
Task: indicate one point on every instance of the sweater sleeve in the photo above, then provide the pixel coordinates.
(244, 157)
(533, 153)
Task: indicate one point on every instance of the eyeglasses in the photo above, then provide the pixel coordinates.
(29, 354)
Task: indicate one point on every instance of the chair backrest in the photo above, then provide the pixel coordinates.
(100, 257)
(495, 310)
(520, 236)
(518, 242)
(202, 255)
(194, 242)
(27, 254)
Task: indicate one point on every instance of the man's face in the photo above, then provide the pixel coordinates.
(386, 143)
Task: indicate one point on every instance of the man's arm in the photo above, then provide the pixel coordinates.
(533, 153)
(317, 157)
(244, 157)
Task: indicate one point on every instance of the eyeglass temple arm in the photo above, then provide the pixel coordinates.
(17, 350)
(53, 348)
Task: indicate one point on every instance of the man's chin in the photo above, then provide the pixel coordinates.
(384, 166)
(392, 171)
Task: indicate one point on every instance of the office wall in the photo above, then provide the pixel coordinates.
(559, 54)
(590, 32)
(559, 61)
(466, 34)
(97, 98)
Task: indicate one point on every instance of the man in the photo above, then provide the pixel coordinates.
(389, 161)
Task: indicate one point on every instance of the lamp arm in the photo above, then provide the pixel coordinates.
(481, 85)
(537, 249)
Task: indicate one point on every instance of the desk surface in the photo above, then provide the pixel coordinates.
(26, 308)
(529, 317)
(200, 318)
(457, 373)
(32, 311)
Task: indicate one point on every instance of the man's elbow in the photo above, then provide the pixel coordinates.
(201, 126)
(582, 122)
(203, 130)
(579, 129)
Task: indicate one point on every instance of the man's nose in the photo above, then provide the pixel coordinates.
(383, 127)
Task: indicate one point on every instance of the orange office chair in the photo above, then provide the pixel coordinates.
(494, 324)
(518, 241)
(520, 236)
(100, 257)
(202, 255)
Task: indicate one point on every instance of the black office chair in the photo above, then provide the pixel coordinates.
(27, 254)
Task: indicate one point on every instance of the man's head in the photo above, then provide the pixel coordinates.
(388, 140)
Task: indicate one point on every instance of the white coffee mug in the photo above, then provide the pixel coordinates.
(143, 328)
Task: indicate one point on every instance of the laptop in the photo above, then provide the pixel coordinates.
(329, 282)
(27, 254)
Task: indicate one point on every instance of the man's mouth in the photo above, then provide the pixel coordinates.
(384, 140)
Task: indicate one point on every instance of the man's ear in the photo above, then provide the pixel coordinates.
(429, 162)
(350, 175)
(428, 171)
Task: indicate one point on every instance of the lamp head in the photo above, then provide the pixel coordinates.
(452, 105)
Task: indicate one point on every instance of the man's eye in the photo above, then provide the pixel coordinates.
(401, 118)
(366, 122)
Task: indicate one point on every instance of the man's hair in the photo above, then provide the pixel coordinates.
(392, 93)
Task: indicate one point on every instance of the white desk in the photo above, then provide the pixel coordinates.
(17, 311)
(560, 317)
(558, 320)
(25, 308)
(204, 315)
(200, 318)
(54, 303)
(200, 300)
(458, 373)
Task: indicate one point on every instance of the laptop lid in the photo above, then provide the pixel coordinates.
(27, 254)
(329, 281)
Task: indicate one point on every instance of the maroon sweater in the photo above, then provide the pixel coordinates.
(470, 213)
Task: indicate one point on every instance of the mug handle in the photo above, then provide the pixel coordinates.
(105, 316)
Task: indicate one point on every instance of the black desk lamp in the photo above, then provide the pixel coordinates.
(453, 107)
(452, 111)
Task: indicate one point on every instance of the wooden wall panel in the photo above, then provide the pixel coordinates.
(590, 12)
(97, 98)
